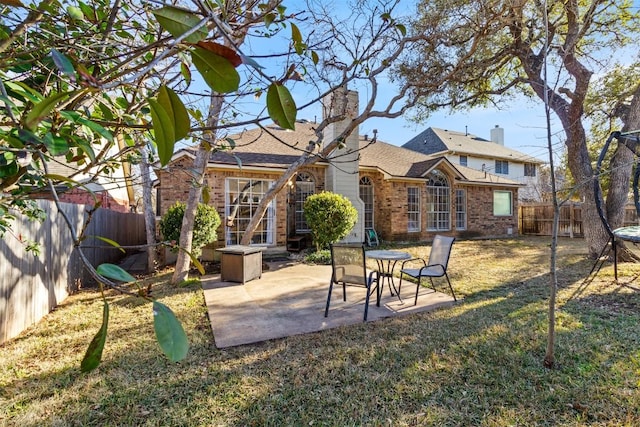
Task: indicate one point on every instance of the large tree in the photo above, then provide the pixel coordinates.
(475, 53)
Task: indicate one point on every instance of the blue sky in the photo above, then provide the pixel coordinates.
(523, 120)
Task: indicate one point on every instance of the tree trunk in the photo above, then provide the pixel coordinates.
(183, 261)
(149, 213)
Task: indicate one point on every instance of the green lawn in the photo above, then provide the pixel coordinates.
(476, 364)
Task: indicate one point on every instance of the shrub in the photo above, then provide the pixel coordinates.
(330, 217)
(204, 230)
(322, 257)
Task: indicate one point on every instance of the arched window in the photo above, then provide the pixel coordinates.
(438, 202)
(305, 187)
(366, 195)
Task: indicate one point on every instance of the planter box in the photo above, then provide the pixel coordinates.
(240, 263)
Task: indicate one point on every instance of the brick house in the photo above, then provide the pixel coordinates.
(465, 149)
(403, 194)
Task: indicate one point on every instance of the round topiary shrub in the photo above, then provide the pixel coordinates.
(330, 217)
(204, 229)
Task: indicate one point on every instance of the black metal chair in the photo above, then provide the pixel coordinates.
(629, 233)
(348, 264)
(436, 266)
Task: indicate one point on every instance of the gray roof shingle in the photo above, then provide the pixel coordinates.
(441, 141)
(278, 148)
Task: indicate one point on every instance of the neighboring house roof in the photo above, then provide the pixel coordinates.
(441, 141)
(277, 148)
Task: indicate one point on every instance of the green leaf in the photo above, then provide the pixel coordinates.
(186, 73)
(75, 13)
(110, 242)
(169, 332)
(93, 355)
(219, 74)
(56, 145)
(281, 106)
(93, 126)
(112, 271)
(314, 57)
(43, 108)
(163, 130)
(177, 22)
(402, 29)
(296, 36)
(268, 19)
(86, 148)
(64, 65)
(176, 111)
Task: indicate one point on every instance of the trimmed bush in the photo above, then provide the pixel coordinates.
(204, 230)
(330, 217)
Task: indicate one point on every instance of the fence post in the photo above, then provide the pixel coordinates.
(571, 219)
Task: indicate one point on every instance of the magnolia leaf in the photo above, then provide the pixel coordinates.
(195, 261)
(56, 145)
(281, 106)
(64, 64)
(177, 22)
(112, 271)
(402, 29)
(43, 108)
(93, 356)
(169, 332)
(86, 147)
(15, 3)
(219, 74)
(163, 130)
(296, 36)
(186, 73)
(176, 111)
(314, 57)
(110, 242)
(95, 127)
(222, 50)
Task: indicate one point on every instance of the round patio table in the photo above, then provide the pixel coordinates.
(386, 261)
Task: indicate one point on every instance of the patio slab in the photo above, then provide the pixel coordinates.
(289, 299)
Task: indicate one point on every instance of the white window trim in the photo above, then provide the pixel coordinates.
(269, 218)
(417, 205)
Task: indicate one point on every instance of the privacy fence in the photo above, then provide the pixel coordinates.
(537, 219)
(31, 286)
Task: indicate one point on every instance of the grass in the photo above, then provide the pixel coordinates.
(476, 364)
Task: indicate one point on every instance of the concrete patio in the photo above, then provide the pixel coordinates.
(289, 299)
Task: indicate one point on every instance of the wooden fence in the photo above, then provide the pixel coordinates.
(537, 219)
(31, 286)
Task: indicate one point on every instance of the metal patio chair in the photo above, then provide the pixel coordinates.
(436, 266)
(348, 265)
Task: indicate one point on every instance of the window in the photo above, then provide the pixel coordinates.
(502, 205)
(366, 195)
(438, 202)
(305, 187)
(413, 209)
(502, 167)
(529, 169)
(463, 160)
(242, 196)
(461, 209)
